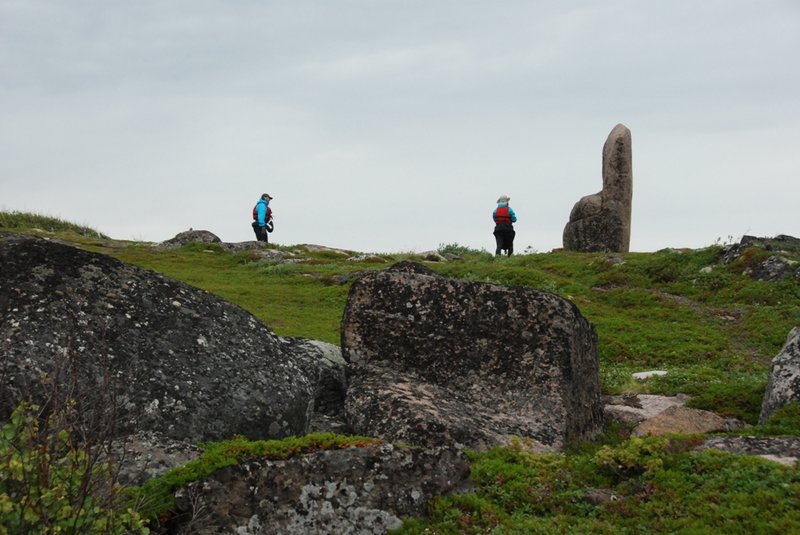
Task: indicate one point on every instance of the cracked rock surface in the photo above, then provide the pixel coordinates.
(167, 357)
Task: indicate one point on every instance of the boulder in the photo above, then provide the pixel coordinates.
(602, 221)
(190, 236)
(636, 408)
(774, 268)
(783, 385)
(328, 371)
(683, 420)
(438, 361)
(781, 243)
(153, 353)
(358, 490)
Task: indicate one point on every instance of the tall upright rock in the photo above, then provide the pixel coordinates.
(602, 222)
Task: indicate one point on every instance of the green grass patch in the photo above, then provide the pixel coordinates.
(653, 485)
(17, 221)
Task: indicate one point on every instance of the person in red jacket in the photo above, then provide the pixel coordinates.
(504, 219)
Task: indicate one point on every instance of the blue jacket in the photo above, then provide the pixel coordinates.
(510, 212)
(261, 210)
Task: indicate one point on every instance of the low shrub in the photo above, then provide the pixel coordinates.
(52, 485)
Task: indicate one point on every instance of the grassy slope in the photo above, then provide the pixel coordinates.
(714, 332)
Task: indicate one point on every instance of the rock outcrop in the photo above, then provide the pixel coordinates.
(602, 222)
(679, 419)
(783, 450)
(190, 236)
(441, 361)
(783, 386)
(161, 355)
(359, 490)
(636, 408)
(784, 263)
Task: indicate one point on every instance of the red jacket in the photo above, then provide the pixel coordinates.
(502, 216)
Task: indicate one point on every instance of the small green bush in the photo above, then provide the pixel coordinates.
(50, 485)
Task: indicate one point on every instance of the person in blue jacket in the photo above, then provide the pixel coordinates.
(504, 233)
(262, 218)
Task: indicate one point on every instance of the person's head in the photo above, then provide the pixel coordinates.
(503, 199)
(266, 196)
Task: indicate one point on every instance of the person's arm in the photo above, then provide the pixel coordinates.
(512, 214)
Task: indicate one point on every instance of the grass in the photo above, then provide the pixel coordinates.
(27, 221)
(714, 330)
(655, 485)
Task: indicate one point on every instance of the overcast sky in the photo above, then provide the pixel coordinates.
(394, 125)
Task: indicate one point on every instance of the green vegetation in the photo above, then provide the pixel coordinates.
(26, 222)
(713, 328)
(652, 485)
(50, 485)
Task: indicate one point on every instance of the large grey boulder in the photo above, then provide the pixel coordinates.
(602, 222)
(358, 490)
(151, 353)
(437, 361)
(783, 386)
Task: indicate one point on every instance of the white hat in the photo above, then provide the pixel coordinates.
(503, 198)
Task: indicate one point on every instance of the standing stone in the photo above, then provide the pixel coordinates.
(783, 386)
(439, 361)
(602, 222)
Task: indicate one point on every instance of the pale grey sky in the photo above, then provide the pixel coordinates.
(389, 125)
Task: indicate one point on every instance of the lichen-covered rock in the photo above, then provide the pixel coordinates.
(440, 361)
(190, 236)
(782, 243)
(784, 450)
(783, 386)
(774, 268)
(680, 419)
(145, 455)
(328, 370)
(602, 222)
(358, 490)
(155, 354)
(636, 408)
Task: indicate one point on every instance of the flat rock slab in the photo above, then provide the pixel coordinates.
(783, 450)
(680, 419)
(637, 408)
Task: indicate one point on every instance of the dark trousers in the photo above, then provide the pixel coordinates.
(261, 232)
(504, 236)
